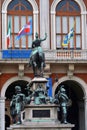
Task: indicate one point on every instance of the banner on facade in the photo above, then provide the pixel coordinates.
(49, 85)
(16, 54)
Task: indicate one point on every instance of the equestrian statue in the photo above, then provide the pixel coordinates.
(37, 58)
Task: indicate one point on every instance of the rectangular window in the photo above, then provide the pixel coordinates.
(78, 42)
(58, 30)
(30, 36)
(71, 22)
(58, 25)
(29, 41)
(58, 39)
(72, 43)
(23, 38)
(16, 43)
(64, 25)
(78, 27)
(17, 23)
(23, 42)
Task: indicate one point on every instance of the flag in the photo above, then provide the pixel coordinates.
(9, 34)
(26, 30)
(68, 37)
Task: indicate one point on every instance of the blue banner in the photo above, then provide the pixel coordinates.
(16, 54)
(49, 85)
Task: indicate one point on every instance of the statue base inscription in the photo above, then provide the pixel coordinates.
(41, 113)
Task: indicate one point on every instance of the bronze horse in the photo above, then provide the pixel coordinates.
(37, 61)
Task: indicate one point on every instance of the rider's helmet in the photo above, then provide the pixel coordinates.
(18, 89)
(62, 89)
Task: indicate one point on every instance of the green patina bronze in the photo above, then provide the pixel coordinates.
(38, 96)
(37, 58)
(17, 105)
(64, 102)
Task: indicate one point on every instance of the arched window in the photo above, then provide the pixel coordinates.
(19, 13)
(68, 15)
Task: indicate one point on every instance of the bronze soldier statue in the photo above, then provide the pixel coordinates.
(63, 101)
(17, 105)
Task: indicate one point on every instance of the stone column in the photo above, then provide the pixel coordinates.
(35, 17)
(53, 30)
(44, 22)
(4, 31)
(84, 31)
(85, 103)
(2, 113)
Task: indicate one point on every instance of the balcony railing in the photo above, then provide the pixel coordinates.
(50, 55)
(66, 55)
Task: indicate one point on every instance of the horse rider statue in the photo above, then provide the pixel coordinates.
(37, 58)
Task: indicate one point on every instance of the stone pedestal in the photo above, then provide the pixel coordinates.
(40, 113)
(40, 117)
(38, 80)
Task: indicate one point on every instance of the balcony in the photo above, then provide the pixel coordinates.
(66, 56)
(52, 56)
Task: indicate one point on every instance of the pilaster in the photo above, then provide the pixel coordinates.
(84, 31)
(35, 17)
(2, 113)
(44, 22)
(53, 30)
(4, 29)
